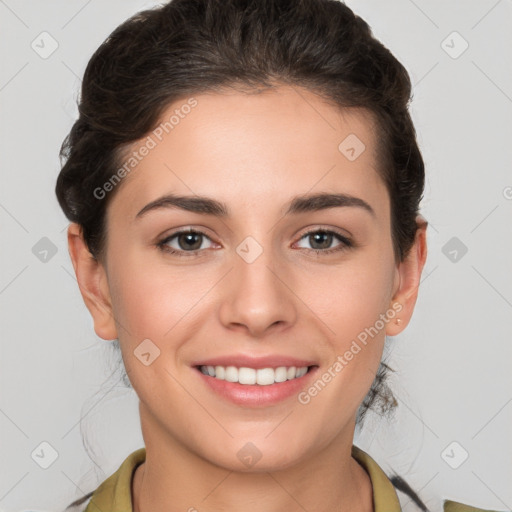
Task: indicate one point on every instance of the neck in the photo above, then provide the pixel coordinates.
(175, 479)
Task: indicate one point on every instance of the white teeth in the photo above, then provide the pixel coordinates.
(231, 374)
(251, 376)
(265, 376)
(220, 372)
(281, 374)
(301, 371)
(247, 376)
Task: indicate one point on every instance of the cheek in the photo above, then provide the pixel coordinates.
(355, 304)
(152, 304)
(150, 299)
(351, 297)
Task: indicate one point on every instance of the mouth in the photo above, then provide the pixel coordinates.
(258, 381)
(255, 376)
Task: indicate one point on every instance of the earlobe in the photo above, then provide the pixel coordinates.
(92, 281)
(409, 276)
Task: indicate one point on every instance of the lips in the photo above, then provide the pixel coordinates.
(250, 381)
(255, 370)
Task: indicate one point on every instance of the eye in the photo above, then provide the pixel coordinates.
(190, 242)
(186, 241)
(321, 240)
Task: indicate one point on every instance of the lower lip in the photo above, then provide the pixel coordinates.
(256, 395)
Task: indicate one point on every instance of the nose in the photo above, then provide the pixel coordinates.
(259, 295)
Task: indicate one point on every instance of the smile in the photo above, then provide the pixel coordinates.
(252, 376)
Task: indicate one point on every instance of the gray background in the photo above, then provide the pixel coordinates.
(453, 380)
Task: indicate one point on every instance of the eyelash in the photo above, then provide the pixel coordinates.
(345, 243)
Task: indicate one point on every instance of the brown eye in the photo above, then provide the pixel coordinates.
(183, 242)
(321, 241)
(189, 241)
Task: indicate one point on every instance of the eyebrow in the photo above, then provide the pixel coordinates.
(299, 204)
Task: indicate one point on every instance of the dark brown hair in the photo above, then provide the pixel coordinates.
(186, 47)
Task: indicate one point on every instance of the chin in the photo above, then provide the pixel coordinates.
(243, 455)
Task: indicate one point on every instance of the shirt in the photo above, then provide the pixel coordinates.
(114, 494)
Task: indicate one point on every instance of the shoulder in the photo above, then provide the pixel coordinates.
(394, 494)
(455, 506)
(114, 493)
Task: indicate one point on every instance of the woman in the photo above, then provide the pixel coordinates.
(243, 185)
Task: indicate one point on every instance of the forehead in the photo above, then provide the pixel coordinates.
(246, 148)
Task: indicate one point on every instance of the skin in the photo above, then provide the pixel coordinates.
(254, 153)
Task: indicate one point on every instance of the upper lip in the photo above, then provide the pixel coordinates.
(245, 361)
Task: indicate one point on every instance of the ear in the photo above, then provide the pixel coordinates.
(92, 281)
(408, 276)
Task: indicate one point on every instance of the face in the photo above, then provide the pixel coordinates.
(275, 280)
